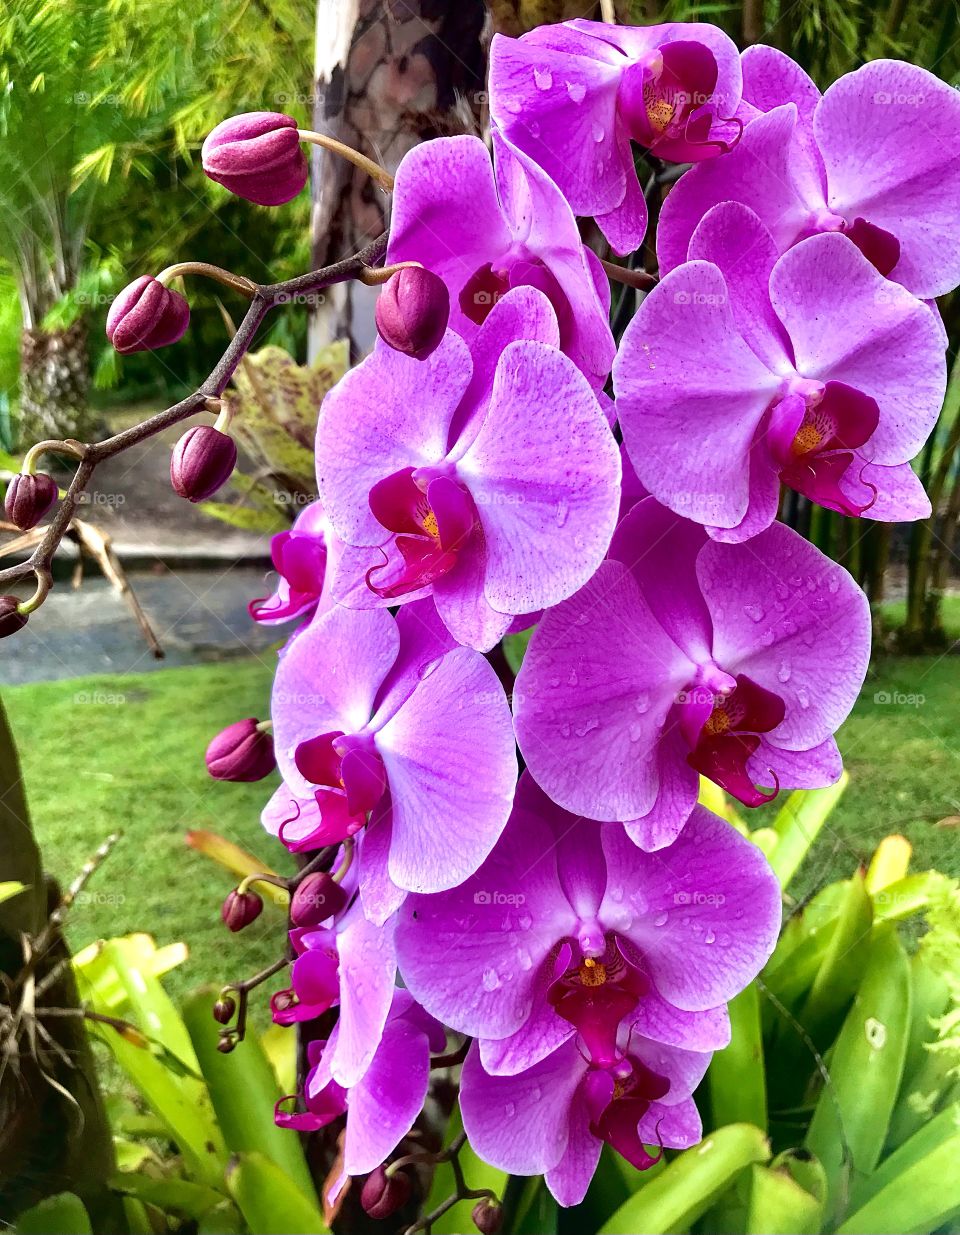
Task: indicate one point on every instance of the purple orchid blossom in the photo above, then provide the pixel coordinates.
(350, 963)
(485, 228)
(386, 718)
(485, 476)
(302, 559)
(741, 370)
(877, 157)
(382, 1105)
(568, 929)
(554, 1118)
(737, 661)
(573, 96)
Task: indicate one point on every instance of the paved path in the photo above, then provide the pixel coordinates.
(198, 615)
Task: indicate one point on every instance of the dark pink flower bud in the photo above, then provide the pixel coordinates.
(201, 462)
(316, 898)
(29, 498)
(11, 619)
(224, 1009)
(383, 1194)
(146, 315)
(412, 311)
(487, 1216)
(242, 751)
(240, 909)
(258, 156)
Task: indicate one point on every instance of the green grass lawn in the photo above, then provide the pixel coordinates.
(105, 754)
(108, 753)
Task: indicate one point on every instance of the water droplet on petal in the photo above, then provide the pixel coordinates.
(490, 979)
(754, 612)
(543, 78)
(577, 91)
(661, 919)
(599, 133)
(803, 697)
(709, 937)
(783, 673)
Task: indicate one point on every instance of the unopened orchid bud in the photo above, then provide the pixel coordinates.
(316, 898)
(146, 315)
(224, 1009)
(383, 1194)
(242, 752)
(487, 1216)
(240, 909)
(29, 498)
(201, 462)
(11, 619)
(412, 311)
(258, 156)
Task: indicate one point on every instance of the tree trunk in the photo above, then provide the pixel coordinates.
(389, 74)
(54, 383)
(54, 1135)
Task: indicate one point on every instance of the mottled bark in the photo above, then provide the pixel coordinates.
(54, 383)
(390, 74)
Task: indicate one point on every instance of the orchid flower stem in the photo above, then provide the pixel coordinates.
(265, 298)
(52, 446)
(348, 847)
(453, 1058)
(463, 1193)
(242, 991)
(639, 279)
(239, 283)
(377, 275)
(262, 877)
(378, 173)
(319, 862)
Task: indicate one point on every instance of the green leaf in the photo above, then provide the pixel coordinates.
(175, 1196)
(798, 823)
(537, 1213)
(777, 1205)
(842, 968)
(181, 1101)
(269, 1201)
(63, 1214)
(686, 1188)
(10, 889)
(922, 1197)
(849, 1125)
(515, 647)
(943, 1127)
(737, 1079)
(244, 1092)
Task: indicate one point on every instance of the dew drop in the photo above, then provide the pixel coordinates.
(564, 730)
(783, 673)
(572, 679)
(510, 1110)
(490, 979)
(803, 697)
(543, 78)
(599, 133)
(660, 919)
(588, 726)
(709, 937)
(577, 91)
(754, 612)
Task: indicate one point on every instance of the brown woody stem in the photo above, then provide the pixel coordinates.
(265, 298)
